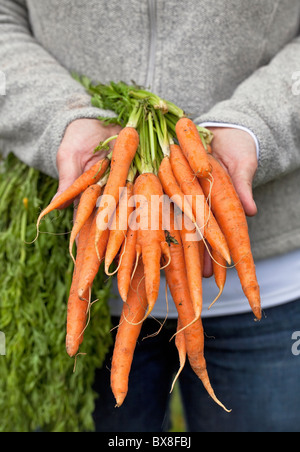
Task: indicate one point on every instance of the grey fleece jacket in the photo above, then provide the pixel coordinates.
(223, 61)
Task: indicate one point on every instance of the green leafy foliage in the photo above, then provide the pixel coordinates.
(115, 97)
(38, 386)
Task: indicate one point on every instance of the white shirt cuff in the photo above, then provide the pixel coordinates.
(207, 125)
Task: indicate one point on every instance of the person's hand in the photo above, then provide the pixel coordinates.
(236, 151)
(75, 154)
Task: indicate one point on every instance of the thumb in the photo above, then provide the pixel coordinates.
(68, 172)
(243, 181)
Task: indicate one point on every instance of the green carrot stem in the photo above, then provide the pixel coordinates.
(152, 140)
(171, 125)
(104, 145)
(152, 99)
(138, 164)
(144, 147)
(161, 132)
(103, 181)
(205, 134)
(135, 116)
(132, 173)
(172, 108)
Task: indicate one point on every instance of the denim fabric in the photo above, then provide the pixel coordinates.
(251, 366)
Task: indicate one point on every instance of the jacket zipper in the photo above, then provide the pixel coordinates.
(152, 10)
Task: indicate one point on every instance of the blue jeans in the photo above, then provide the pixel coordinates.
(251, 366)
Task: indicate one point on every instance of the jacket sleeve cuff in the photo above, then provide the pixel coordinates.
(224, 114)
(207, 125)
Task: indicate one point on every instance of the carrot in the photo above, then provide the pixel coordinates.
(202, 253)
(172, 189)
(92, 259)
(127, 336)
(231, 217)
(193, 331)
(220, 274)
(151, 241)
(86, 206)
(126, 265)
(88, 178)
(191, 188)
(181, 347)
(123, 154)
(192, 147)
(121, 218)
(193, 267)
(77, 308)
(220, 270)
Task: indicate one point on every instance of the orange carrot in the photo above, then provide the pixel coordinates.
(193, 331)
(92, 259)
(193, 267)
(202, 252)
(181, 347)
(192, 146)
(220, 270)
(123, 154)
(86, 207)
(88, 178)
(172, 189)
(77, 308)
(121, 218)
(151, 240)
(231, 217)
(126, 265)
(127, 336)
(220, 274)
(191, 188)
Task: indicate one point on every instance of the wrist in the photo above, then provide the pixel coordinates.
(215, 125)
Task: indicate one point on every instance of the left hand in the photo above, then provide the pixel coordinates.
(236, 151)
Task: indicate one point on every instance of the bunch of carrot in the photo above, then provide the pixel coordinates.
(158, 201)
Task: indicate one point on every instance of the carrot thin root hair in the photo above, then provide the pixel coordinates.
(165, 319)
(75, 360)
(185, 327)
(217, 298)
(181, 346)
(120, 261)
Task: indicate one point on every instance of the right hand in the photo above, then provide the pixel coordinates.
(236, 151)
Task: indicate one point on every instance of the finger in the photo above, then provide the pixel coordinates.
(68, 172)
(243, 182)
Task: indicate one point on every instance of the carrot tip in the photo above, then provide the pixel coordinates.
(218, 297)
(73, 258)
(258, 313)
(119, 402)
(71, 349)
(228, 258)
(217, 401)
(124, 298)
